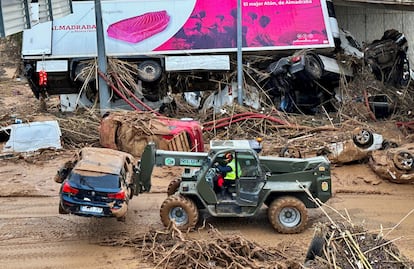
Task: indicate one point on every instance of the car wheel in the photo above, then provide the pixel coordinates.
(288, 215)
(173, 186)
(62, 210)
(180, 210)
(403, 160)
(149, 71)
(362, 138)
(313, 67)
(290, 152)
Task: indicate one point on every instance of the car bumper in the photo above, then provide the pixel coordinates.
(93, 209)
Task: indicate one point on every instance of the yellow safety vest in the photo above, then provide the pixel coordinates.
(232, 174)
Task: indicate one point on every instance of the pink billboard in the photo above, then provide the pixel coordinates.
(266, 25)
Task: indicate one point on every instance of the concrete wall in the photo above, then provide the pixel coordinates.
(367, 24)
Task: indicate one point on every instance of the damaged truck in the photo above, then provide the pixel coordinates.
(169, 46)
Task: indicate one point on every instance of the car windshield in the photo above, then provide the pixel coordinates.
(95, 180)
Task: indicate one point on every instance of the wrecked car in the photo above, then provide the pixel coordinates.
(303, 81)
(130, 131)
(98, 182)
(395, 164)
(388, 59)
(362, 143)
(29, 137)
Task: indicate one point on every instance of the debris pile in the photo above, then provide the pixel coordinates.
(350, 246)
(173, 249)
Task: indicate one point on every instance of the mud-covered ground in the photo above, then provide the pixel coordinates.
(34, 235)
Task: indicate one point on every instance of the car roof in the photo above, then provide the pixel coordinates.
(102, 160)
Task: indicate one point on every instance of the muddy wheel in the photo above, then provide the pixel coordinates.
(181, 210)
(61, 210)
(173, 186)
(288, 215)
(403, 160)
(362, 138)
(290, 152)
(313, 66)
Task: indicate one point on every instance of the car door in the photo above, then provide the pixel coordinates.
(251, 181)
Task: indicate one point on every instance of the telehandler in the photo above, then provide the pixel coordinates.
(284, 185)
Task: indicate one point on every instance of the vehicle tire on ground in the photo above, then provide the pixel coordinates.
(315, 248)
(288, 215)
(403, 160)
(362, 137)
(181, 210)
(173, 186)
(61, 210)
(290, 152)
(149, 71)
(313, 67)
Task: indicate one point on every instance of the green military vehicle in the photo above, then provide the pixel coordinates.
(277, 182)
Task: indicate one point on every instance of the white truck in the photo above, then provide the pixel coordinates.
(175, 46)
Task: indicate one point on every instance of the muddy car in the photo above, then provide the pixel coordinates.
(394, 164)
(131, 131)
(98, 182)
(361, 143)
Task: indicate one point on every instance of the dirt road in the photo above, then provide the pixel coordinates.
(34, 235)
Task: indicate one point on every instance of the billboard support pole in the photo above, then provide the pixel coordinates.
(104, 103)
(239, 54)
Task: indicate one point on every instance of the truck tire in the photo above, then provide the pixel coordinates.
(290, 152)
(181, 210)
(362, 138)
(149, 71)
(173, 186)
(288, 215)
(403, 160)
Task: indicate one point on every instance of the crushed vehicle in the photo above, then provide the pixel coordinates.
(99, 182)
(360, 145)
(130, 131)
(281, 184)
(394, 164)
(388, 59)
(31, 136)
(305, 80)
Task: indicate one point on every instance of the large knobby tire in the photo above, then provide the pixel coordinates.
(362, 138)
(181, 210)
(288, 215)
(403, 160)
(173, 186)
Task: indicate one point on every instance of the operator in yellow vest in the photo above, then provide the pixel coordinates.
(229, 171)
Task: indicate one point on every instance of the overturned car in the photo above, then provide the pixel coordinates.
(394, 164)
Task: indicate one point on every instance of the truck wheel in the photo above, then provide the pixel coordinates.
(403, 160)
(181, 210)
(313, 66)
(362, 138)
(173, 186)
(288, 215)
(149, 71)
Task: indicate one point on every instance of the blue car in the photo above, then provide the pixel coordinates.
(98, 182)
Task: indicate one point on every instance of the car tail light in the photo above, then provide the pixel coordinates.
(295, 59)
(68, 189)
(119, 195)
